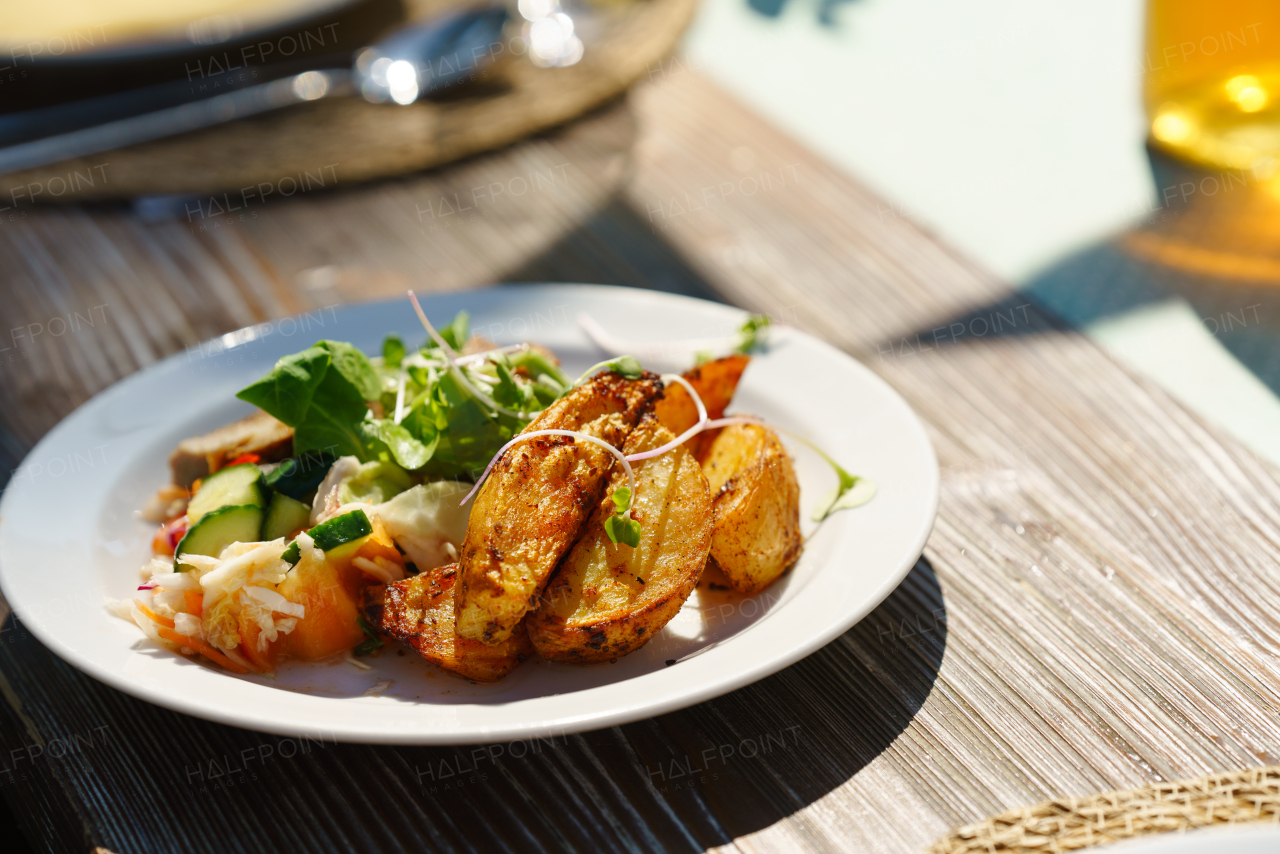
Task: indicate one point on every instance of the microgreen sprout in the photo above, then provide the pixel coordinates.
(451, 362)
(620, 527)
(754, 331)
(687, 434)
(373, 644)
(573, 434)
(392, 350)
(851, 491)
(626, 366)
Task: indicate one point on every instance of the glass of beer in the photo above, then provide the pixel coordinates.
(1212, 81)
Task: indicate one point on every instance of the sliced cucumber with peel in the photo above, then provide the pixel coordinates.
(218, 529)
(284, 517)
(333, 533)
(234, 486)
(298, 477)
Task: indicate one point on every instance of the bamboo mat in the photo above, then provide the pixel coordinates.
(1095, 610)
(1234, 799)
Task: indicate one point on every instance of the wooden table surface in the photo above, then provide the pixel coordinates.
(1095, 609)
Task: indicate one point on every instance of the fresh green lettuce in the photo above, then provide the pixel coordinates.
(338, 400)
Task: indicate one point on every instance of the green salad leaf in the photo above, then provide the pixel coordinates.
(338, 400)
(455, 333)
(390, 441)
(321, 394)
(392, 350)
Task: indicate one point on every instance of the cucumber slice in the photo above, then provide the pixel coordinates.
(299, 476)
(233, 486)
(336, 532)
(284, 517)
(218, 529)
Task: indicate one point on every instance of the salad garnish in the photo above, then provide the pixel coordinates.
(430, 411)
(626, 366)
(850, 491)
(573, 434)
(281, 533)
(752, 335)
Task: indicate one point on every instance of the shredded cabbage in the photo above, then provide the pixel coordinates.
(427, 522)
(255, 565)
(327, 492)
(189, 625)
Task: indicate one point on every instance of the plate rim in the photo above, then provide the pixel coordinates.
(253, 719)
(163, 43)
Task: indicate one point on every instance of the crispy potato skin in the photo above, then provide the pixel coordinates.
(532, 507)
(608, 599)
(715, 382)
(419, 612)
(757, 506)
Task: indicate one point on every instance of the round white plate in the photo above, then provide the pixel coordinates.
(70, 538)
(1241, 839)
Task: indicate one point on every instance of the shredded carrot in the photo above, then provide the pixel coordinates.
(195, 602)
(202, 648)
(163, 621)
(243, 458)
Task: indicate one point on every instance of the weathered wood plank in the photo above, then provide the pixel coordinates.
(1096, 607)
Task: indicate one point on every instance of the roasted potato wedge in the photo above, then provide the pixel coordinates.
(607, 599)
(532, 507)
(757, 506)
(420, 612)
(715, 382)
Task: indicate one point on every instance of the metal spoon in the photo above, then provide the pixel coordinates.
(416, 61)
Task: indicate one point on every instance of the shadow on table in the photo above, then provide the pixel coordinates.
(614, 246)
(682, 782)
(745, 761)
(742, 762)
(1210, 242)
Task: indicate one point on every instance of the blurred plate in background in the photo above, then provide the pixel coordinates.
(55, 53)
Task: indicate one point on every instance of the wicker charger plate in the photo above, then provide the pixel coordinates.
(345, 140)
(1233, 798)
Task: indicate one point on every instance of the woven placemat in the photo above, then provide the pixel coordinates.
(345, 140)
(1233, 798)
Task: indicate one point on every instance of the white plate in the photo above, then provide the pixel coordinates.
(70, 538)
(1240, 839)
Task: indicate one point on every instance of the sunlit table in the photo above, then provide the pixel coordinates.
(1095, 608)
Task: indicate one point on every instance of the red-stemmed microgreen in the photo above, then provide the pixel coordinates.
(451, 362)
(573, 434)
(850, 491)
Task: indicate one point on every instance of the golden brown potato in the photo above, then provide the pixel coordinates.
(715, 382)
(607, 599)
(757, 506)
(419, 612)
(535, 501)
